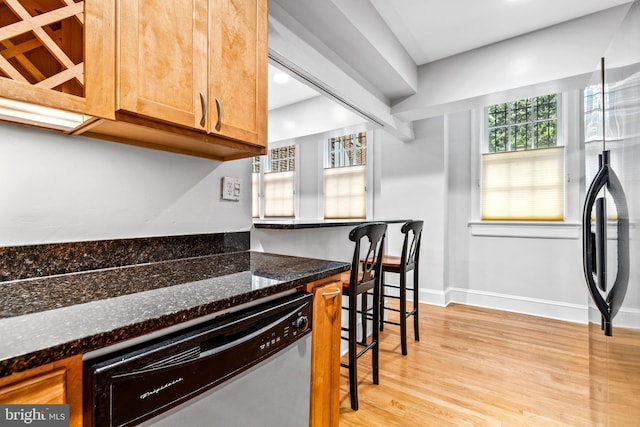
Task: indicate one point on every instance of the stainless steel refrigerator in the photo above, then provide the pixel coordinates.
(611, 228)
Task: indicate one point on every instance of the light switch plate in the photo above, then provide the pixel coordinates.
(230, 188)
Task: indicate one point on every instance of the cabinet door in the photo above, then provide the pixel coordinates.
(47, 57)
(54, 383)
(163, 60)
(238, 70)
(325, 355)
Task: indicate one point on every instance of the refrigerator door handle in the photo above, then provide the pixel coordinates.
(619, 288)
(588, 246)
(601, 243)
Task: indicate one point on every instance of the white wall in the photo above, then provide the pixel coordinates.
(459, 140)
(58, 188)
(540, 276)
(412, 186)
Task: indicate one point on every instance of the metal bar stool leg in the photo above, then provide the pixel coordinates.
(353, 351)
(416, 329)
(382, 282)
(376, 332)
(403, 312)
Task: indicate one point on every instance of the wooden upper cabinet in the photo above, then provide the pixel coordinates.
(163, 59)
(188, 76)
(201, 64)
(43, 60)
(238, 69)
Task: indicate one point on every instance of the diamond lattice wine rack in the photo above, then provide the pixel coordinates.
(41, 44)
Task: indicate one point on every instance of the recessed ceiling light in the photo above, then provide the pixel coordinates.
(281, 78)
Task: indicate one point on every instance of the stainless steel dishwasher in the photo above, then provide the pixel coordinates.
(250, 368)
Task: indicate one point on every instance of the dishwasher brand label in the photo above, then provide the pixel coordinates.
(159, 389)
(34, 415)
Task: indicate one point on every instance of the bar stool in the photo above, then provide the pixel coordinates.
(402, 265)
(363, 277)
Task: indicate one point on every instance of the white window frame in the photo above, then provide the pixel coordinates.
(569, 131)
(259, 188)
(369, 169)
(265, 168)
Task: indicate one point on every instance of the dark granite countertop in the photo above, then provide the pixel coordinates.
(295, 224)
(50, 318)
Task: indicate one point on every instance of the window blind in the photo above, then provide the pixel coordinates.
(345, 195)
(279, 194)
(523, 185)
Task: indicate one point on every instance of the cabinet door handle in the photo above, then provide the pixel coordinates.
(203, 101)
(219, 107)
(331, 294)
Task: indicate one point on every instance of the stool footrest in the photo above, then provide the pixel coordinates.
(390, 322)
(407, 314)
(396, 287)
(367, 346)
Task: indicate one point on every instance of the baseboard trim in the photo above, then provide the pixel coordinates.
(537, 307)
(626, 317)
(429, 296)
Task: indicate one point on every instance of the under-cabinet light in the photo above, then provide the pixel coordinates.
(36, 115)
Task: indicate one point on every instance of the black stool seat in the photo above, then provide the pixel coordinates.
(363, 277)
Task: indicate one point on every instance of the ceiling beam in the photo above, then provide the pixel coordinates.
(329, 75)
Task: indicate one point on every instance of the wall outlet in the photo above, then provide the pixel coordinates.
(230, 188)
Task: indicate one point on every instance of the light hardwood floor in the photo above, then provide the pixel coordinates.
(476, 367)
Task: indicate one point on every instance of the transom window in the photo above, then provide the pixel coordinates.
(282, 159)
(523, 125)
(347, 150)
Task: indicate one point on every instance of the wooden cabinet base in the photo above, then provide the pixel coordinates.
(325, 353)
(55, 383)
(136, 130)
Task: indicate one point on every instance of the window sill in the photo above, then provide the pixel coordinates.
(526, 229)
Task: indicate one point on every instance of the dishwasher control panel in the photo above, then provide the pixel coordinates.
(287, 330)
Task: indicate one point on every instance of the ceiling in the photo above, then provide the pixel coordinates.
(382, 43)
(434, 29)
(285, 90)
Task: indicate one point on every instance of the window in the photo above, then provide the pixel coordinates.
(523, 161)
(279, 182)
(345, 177)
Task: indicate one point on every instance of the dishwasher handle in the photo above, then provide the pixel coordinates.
(223, 343)
(227, 337)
